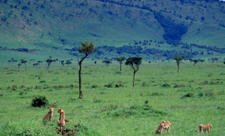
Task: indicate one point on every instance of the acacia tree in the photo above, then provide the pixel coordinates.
(195, 61)
(49, 61)
(134, 62)
(178, 60)
(120, 60)
(19, 64)
(86, 49)
(23, 61)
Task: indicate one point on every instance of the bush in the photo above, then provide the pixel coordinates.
(119, 84)
(110, 85)
(39, 101)
(94, 86)
(207, 94)
(165, 85)
(188, 95)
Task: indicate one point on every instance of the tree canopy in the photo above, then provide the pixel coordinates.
(133, 61)
(86, 48)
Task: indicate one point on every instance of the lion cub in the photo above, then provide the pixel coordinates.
(49, 115)
(61, 121)
(204, 127)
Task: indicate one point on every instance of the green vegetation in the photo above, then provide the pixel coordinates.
(188, 99)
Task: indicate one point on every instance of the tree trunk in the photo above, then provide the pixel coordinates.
(80, 82)
(48, 67)
(134, 77)
(178, 67)
(25, 67)
(79, 73)
(120, 66)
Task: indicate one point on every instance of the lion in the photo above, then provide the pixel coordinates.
(204, 127)
(167, 126)
(49, 115)
(160, 127)
(61, 121)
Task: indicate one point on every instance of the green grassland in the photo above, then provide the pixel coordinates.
(111, 107)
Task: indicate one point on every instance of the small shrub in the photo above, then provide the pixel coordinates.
(22, 93)
(201, 94)
(94, 86)
(119, 84)
(221, 108)
(146, 101)
(42, 81)
(39, 101)
(110, 85)
(207, 94)
(188, 95)
(217, 82)
(165, 85)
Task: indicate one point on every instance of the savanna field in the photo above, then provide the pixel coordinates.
(111, 106)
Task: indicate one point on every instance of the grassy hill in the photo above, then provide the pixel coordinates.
(50, 26)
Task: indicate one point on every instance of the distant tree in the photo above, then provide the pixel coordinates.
(107, 62)
(68, 62)
(19, 64)
(86, 48)
(62, 62)
(134, 62)
(195, 61)
(24, 62)
(120, 60)
(178, 60)
(49, 61)
(35, 64)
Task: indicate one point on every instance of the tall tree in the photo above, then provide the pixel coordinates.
(134, 62)
(120, 60)
(178, 60)
(86, 48)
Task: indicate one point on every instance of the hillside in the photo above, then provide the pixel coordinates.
(149, 28)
